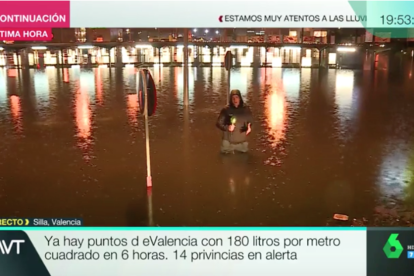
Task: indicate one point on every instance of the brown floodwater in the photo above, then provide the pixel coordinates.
(323, 142)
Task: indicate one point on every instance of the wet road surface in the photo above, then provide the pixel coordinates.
(323, 142)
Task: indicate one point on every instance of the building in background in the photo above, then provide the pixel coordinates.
(274, 47)
(252, 35)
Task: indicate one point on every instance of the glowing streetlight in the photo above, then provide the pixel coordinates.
(195, 30)
(345, 49)
(217, 32)
(206, 31)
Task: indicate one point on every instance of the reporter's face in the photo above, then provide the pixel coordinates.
(235, 100)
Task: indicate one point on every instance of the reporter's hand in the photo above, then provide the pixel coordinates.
(231, 128)
(249, 129)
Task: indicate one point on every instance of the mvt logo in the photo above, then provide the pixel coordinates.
(6, 247)
(393, 248)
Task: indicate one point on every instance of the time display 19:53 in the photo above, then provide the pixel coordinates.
(397, 20)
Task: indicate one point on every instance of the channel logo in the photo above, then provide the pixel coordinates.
(6, 247)
(393, 248)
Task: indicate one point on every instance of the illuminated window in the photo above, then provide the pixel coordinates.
(80, 34)
(320, 33)
(120, 35)
(293, 33)
(332, 58)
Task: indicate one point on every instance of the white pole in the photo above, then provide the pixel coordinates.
(147, 143)
(185, 52)
(228, 87)
(150, 213)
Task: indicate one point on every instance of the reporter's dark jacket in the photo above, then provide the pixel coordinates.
(243, 117)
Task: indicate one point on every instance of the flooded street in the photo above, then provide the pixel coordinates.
(323, 143)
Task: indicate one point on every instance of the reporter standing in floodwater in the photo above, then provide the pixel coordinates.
(235, 121)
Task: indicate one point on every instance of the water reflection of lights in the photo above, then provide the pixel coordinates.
(53, 84)
(409, 176)
(276, 115)
(291, 83)
(195, 73)
(179, 82)
(175, 92)
(284, 85)
(3, 87)
(396, 172)
(98, 86)
(232, 185)
(87, 83)
(2, 57)
(74, 74)
(12, 73)
(131, 78)
(305, 78)
(239, 80)
(217, 76)
(83, 116)
(41, 89)
(158, 72)
(133, 109)
(16, 112)
(65, 75)
(238, 183)
(344, 93)
(150, 208)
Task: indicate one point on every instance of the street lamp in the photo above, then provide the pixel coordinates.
(206, 31)
(217, 32)
(195, 30)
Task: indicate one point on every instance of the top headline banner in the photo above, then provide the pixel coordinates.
(208, 14)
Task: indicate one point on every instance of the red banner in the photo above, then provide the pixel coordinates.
(309, 39)
(275, 39)
(35, 14)
(20, 34)
(290, 39)
(382, 39)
